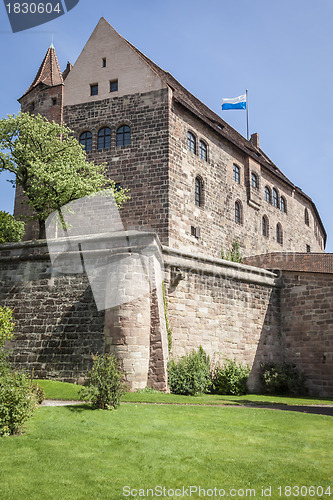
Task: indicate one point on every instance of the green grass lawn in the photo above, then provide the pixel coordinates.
(61, 390)
(78, 453)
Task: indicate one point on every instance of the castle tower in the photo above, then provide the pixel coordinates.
(45, 97)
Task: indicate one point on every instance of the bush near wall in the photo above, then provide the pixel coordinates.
(282, 378)
(105, 383)
(190, 375)
(230, 378)
(18, 398)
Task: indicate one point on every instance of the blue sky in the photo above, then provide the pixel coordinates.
(280, 50)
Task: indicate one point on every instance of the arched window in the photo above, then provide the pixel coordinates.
(268, 196)
(203, 151)
(275, 198)
(104, 138)
(123, 135)
(238, 212)
(254, 180)
(283, 204)
(306, 217)
(236, 174)
(198, 196)
(86, 140)
(191, 142)
(265, 226)
(279, 234)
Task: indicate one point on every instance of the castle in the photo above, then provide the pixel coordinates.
(198, 185)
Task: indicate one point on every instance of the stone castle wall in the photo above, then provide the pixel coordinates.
(231, 310)
(307, 325)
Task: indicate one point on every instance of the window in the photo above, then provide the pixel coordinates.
(268, 196)
(275, 198)
(308, 248)
(279, 234)
(104, 62)
(265, 226)
(104, 138)
(114, 86)
(238, 212)
(236, 174)
(254, 181)
(86, 140)
(54, 101)
(118, 186)
(94, 89)
(198, 192)
(306, 217)
(195, 231)
(203, 151)
(123, 135)
(283, 204)
(191, 143)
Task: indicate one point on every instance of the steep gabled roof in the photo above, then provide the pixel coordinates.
(49, 72)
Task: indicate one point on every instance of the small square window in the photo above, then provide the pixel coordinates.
(114, 86)
(94, 89)
(104, 62)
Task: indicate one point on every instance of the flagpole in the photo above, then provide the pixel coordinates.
(247, 115)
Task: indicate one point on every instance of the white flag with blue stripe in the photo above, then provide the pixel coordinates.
(235, 103)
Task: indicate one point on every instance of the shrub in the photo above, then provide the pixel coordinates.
(6, 333)
(105, 384)
(10, 228)
(39, 392)
(233, 254)
(230, 378)
(191, 374)
(17, 402)
(282, 379)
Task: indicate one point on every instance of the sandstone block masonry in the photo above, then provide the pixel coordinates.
(231, 310)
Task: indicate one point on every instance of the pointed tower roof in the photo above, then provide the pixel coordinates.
(49, 72)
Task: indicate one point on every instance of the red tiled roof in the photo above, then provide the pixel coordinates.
(49, 72)
(293, 261)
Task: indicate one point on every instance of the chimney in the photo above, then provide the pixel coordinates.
(255, 140)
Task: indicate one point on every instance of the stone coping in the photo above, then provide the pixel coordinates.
(199, 263)
(204, 264)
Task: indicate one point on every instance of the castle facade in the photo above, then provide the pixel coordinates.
(196, 185)
(192, 178)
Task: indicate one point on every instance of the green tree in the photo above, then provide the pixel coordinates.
(10, 228)
(49, 164)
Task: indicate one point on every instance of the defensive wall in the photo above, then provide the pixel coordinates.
(230, 309)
